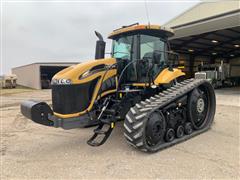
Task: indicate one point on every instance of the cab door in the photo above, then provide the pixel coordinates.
(149, 47)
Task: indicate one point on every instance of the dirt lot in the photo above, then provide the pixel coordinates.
(29, 150)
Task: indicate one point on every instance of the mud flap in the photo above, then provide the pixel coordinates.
(37, 111)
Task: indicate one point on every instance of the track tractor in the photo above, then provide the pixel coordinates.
(139, 84)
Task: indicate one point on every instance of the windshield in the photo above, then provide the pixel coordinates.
(140, 49)
(122, 47)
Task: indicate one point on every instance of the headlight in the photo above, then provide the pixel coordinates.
(61, 81)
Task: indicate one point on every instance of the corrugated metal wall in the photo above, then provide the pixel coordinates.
(28, 75)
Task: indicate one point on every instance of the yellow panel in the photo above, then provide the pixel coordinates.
(74, 72)
(141, 84)
(139, 27)
(166, 76)
(68, 115)
(106, 93)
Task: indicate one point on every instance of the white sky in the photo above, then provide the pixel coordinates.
(47, 31)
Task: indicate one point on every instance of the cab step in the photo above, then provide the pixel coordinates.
(100, 132)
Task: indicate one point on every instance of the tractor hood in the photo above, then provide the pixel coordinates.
(82, 72)
(75, 89)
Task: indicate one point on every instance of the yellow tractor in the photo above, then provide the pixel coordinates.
(139, 84)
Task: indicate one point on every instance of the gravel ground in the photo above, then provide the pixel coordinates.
(30, 151)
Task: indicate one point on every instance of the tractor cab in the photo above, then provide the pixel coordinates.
(143, 48)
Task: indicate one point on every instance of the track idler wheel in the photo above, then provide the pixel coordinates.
(155, 129)
(147, 132)
(180, 131)
(170, 135)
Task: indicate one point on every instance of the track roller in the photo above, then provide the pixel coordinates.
(180, 131)
(188, 128)
(170, 135)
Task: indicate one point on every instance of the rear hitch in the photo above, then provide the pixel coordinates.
(37, 111)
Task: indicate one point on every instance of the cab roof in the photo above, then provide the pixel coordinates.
(154, 30)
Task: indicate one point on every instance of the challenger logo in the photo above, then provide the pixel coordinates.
(61, 82)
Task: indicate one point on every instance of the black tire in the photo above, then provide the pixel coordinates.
(202, 106)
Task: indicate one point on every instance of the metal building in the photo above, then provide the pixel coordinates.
(39, 75)
(207, 33)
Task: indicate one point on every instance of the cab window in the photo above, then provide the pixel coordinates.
(149, 44)
(122, 47)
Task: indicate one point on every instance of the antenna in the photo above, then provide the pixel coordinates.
(146, 9)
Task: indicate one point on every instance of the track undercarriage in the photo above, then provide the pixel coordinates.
(172, 116)
(164, 119)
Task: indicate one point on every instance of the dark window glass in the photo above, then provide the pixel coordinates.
(148, 46)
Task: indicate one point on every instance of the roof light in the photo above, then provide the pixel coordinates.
(232, 55)
(214, 53)
(190, 50)
(236, 45)
(214, 41)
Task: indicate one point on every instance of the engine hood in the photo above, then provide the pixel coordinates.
(84, 72)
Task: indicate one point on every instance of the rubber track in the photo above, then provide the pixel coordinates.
(138, 115)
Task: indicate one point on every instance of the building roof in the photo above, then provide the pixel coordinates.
(204, 10)
(206, 17)
(49, 63)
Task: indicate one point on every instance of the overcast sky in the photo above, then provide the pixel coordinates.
(63, 31)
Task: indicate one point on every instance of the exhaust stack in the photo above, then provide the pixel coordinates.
(100, 46)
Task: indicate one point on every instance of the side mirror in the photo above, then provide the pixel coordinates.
(100, 47)
(173, 58)
(157, 57)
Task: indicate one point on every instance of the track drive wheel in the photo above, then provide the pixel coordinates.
(201, 106)
(148, 132)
